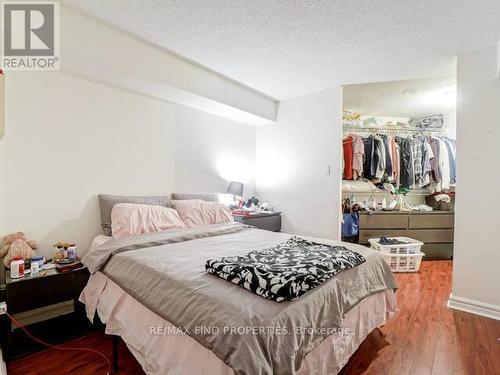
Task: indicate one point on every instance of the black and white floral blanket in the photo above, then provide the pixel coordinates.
(286, 271)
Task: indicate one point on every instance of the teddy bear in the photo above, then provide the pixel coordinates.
(16, 244)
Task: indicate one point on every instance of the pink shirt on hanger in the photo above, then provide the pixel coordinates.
(358, 152)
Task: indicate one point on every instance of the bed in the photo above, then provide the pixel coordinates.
(152, 291)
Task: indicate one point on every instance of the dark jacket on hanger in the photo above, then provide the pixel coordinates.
(368, 164)
(406, 162)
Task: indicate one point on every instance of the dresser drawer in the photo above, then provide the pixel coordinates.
(383, 221)
(438, 251)
(431, 221)
(29, 294)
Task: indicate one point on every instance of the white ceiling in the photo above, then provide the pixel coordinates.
(402, 98)
(288, 48)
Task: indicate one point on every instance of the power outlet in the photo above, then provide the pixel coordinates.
(3, 308)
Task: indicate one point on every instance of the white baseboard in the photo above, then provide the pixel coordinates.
(474, 307)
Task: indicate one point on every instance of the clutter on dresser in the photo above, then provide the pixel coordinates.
(17, 245)
(35, 267)
(252, 206)
(441, 201)
(372, 203)
(65, 252)
(251, 203)
(17, 267)
(65, 257)
(70, 266)
(24, 263)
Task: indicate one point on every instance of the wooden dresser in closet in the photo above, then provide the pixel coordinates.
(434, 229)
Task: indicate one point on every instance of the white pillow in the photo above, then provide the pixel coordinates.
(128, 219)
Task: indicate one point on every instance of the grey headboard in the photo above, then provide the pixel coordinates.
(106, 203)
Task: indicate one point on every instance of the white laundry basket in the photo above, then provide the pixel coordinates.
(405, 257)
(403, 263)
(410, 246)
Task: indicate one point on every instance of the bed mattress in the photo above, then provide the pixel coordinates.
(162, 350)
(164, 273)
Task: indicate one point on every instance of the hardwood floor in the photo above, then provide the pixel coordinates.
(425, 338)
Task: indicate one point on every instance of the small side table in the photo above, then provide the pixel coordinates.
(29, 293)
(263, 220)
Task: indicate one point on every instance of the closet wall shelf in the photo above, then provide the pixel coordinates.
(386, 193)
(392, 129)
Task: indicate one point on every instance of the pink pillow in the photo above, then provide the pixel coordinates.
(128, 219)
(198, 213)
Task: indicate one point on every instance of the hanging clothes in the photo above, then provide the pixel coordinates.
(358, 150)
(394, 163)
(450, 145)
(416, 149)
(388, 161)
(444, 166)
(406, 162)
(348, 155)
(434, 161)
(380, 158)
(426, 163)
(368, 164)
(397, 160)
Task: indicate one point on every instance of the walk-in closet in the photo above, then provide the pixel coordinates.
(399, 163)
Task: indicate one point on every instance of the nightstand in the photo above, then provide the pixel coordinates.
(266, 220)
(32, 298)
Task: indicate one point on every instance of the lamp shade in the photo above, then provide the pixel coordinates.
(235, 188)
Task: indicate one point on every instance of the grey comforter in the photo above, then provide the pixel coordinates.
(165, 272)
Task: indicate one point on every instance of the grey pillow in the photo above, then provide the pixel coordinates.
(106, 203)
(203, 197)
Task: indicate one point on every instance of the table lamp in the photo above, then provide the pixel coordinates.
(235, 188)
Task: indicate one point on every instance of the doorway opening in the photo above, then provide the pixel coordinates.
(399, 168)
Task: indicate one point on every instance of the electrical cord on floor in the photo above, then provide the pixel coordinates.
(57, 347)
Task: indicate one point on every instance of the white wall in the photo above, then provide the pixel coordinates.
(476, 273)
(450, 123)
(498, 58)
(292, 161)
(210, 151)
(68, 139)
(96, 127)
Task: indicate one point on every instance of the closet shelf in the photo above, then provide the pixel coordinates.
(386, 193)
(392, 129)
